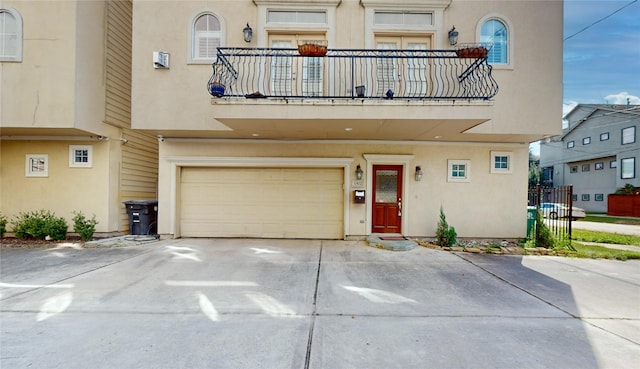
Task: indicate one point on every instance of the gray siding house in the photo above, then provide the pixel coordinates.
(597, 153)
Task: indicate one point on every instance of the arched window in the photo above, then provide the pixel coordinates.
(206, 37)
(496, 32)
(10, 35)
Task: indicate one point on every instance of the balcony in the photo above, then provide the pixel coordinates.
(352, 74)
(351, 94)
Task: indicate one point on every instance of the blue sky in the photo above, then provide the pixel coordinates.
(602, 63)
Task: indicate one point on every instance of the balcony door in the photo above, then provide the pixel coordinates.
(406, 75)
(292, 75)
(387, 199)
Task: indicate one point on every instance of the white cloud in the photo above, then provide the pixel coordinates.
(621, 99)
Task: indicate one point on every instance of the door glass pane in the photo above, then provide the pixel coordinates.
(281, 73)
(387, 186)
(385, 69)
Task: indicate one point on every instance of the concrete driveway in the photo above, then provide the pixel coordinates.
(202, 303)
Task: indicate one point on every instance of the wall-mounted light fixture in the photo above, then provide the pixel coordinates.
(359, 172)
(418, 174)
(247, 33)
(453, 36)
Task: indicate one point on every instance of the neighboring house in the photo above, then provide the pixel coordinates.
(286, 147)
(66, 142)
(597, 153)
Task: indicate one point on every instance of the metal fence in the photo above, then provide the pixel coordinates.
(556, 206)
(346, 73)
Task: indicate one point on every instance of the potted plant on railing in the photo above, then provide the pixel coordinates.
(312, 48)
(473, 50)
(624, 202)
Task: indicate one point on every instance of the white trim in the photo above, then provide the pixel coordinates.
(177, 162)
(72, 156)
(378, 159)
(191, 42)
(509, 168)
(467, 172)
(28, 172)
(436, 8)
(18, 18)
(510, 37)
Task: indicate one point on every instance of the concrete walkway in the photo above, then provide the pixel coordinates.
(202, 303)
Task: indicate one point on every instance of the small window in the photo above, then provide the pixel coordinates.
(297, 16)
(570, 144)
(37, 165)
(494, 31)
(206, 37)
(604, 136)
(459, 170)
(586, 167)
(10, 35)
(628, 168)
(628, 135)
(80, 156)
(402, 18)
(574, 197)
(586, 197)
(573, 169)
(586, 140)
(598, 197)
(613, 164)
(500, 162)
(599, 166)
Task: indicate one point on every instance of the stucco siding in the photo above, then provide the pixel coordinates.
(64, 190)
(484, 207)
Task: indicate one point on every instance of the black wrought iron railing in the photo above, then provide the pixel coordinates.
(344, 73)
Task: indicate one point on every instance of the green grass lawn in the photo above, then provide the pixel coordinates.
(602, 237)
(599, 252)
(595, 217)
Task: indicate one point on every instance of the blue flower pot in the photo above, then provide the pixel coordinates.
(216, 89)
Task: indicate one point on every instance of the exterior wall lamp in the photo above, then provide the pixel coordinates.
(248, 33)
(359, 172)
(453, 36)
(418, 174)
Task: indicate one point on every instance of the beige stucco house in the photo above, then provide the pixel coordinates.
(66, 142)
(389, 118)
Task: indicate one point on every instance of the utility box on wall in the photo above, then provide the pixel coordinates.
(359, 196)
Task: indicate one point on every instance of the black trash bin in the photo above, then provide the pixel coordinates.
(143, 216)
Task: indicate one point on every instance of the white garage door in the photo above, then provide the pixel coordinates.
(262, 202)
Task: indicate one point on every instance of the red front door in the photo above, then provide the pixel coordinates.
(387, 198)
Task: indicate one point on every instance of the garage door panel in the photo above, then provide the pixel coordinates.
(262, 202)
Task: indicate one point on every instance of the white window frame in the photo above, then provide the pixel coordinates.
(508, 169)
(633, 136)
(31, 171)
(467, 171)
(72, 156)
(193, 58)
(510, 37)
(16, 16)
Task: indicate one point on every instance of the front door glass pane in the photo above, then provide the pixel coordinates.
(387, 186)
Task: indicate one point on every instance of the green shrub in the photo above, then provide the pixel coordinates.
(445, 235)
(3, 225)
(84, 227)
(38, 225)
